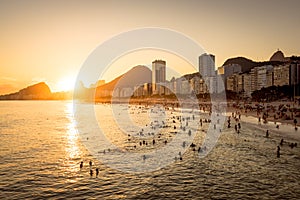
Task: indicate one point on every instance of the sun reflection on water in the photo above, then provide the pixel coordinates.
(72, 149)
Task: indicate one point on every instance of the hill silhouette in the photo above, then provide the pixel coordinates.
(247, 64)
(34, 92)
(136, 76)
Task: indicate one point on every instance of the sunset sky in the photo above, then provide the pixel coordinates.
(49, 40)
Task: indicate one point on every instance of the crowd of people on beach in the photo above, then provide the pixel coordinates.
(175, 124)
(262, 113)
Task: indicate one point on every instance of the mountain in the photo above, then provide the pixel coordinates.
(248, 64)
(190, 76)
(245, 63)
(136, 76)
(34, 92)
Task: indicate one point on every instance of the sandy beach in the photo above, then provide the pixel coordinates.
(286, 128)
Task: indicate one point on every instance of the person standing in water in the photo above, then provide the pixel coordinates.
(97, 172)
(278, 152)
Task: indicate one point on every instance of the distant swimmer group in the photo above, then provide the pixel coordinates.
(91, 171)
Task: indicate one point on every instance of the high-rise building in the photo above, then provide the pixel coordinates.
(208, 72)
(281, 75)
(207, 65)
(294, 74)
(158, 76)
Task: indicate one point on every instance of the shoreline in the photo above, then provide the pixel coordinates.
(286, 127)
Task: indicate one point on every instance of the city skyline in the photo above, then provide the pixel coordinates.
(206, 68)
(49, 41)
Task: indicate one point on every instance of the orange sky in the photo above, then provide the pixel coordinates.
(49, 40)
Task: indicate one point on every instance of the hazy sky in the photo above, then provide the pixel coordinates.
(50, 40)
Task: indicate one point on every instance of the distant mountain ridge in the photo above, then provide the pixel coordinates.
(136, 76)
(248, 64)
(39, 91)
(35, 92)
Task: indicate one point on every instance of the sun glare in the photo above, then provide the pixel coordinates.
(66, 84)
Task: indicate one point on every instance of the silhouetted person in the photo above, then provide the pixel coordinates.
(267, 134)
(281, 142)
(199, 150)
(278, 152)
(91, 172)
(81, 165)
(97, 172)
(91, 163)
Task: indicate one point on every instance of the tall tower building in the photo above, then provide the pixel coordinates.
(207, 71)
(207, 65)
(158, 76)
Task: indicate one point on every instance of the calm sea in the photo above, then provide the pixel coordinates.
(40, 153)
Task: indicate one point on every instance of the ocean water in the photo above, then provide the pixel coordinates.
(41, 149)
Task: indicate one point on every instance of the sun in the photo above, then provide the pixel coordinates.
(66, 84)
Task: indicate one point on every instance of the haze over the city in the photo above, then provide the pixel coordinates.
(49, 40)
